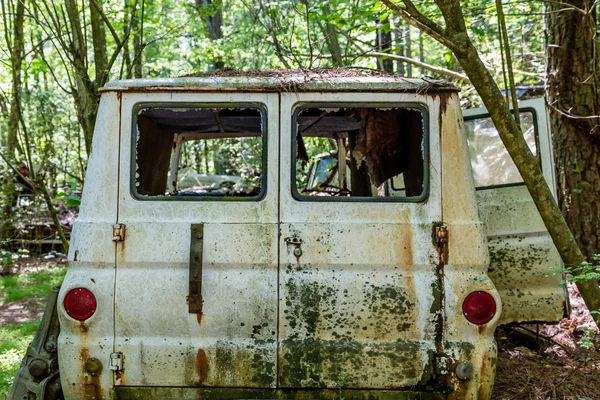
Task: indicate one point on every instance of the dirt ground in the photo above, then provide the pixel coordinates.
(545, 362)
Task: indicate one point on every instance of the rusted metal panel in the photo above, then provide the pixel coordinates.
(524, 263)
(196, 247)
(523, 259)
(231, 340)
(92, 264)
(467, 263)
(286, 82)
(161, 393)
(358, 303)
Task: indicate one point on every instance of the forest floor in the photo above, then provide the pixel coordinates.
(538, 362)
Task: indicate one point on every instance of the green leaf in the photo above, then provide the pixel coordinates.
(61, 195)
(73, 203)
(448, 56)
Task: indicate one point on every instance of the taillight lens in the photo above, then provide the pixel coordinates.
(80, 304)
(479, 308)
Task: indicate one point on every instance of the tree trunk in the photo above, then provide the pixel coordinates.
(407, 49)
(86, 97)
(383, 43)
(137, 25)
(99, 41)
(17, 50)
(398, 38)
(213, 22)
(331, 38)
(572, 90)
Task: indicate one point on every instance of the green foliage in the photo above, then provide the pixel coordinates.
(586, 340)
(587, 271)
(32, 284)
(14, 339)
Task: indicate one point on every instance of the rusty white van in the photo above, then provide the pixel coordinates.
(322, 235)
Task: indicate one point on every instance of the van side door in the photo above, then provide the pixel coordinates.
(523, 259)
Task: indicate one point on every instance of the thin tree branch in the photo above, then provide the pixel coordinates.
(421, 22)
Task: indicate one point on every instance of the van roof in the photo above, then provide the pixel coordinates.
(317, 80)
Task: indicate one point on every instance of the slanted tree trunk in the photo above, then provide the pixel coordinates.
(573, 84)
(454, 36)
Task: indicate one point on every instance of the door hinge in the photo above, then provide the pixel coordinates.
(442, 364)
(116, 362)
(441, 242)
(118, 233)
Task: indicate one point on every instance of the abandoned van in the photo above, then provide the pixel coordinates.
(294, 236)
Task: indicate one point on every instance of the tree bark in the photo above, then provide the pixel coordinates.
(331, 38)
(398, 38)
(572, 93)
(407, 49)
(99, 42)
(212, 15)
(86, 92)
(17, 51)
(138, 32)
(383, 44)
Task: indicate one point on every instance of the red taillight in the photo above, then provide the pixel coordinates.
(80, 304)
(479, 308)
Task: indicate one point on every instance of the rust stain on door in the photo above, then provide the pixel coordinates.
(201, 366)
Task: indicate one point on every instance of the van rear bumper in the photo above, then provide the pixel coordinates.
(195, 393)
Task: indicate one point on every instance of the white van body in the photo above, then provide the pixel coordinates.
(299, 298)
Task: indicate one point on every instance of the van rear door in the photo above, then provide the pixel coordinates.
(196, 280)
(523, 259)
(359, 293)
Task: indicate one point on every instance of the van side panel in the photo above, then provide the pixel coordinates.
(92, 264)
(465, 271)
(524, 263)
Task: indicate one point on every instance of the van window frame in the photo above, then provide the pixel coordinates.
(537, 146)
(421, 107)
(260, 107)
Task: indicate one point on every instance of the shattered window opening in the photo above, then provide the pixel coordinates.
(365, 153)
(199, 152)
(490, 161)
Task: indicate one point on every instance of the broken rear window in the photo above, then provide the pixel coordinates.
(201, 153)
(360, 153)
